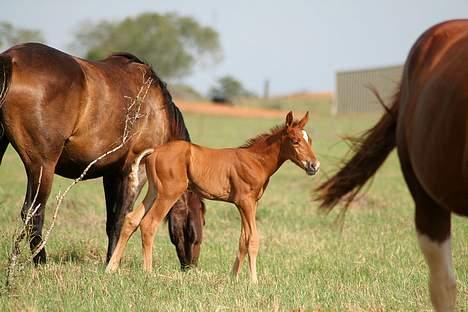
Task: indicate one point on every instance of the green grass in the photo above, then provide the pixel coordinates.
(373, 264)
(319, 105)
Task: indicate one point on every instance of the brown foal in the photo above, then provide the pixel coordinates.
(235, 175)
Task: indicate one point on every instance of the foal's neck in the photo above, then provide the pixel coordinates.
(269, 151)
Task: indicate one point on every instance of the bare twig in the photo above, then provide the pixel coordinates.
(130, 120)
(132, 115)
(24, 231)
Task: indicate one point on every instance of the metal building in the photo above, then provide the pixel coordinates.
(353, 95)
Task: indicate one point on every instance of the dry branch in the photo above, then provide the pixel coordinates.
(132, 115)
(24, 231)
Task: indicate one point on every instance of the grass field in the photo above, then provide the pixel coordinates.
(304, 261)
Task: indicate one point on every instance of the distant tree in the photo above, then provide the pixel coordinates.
(228, 90)
(172, 44)
(11, 35)
(182, 91)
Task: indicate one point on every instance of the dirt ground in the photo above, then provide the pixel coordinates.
(216, 109)
(243, 111)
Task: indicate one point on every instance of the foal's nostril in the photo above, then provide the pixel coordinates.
(312, 167)
(316, 165)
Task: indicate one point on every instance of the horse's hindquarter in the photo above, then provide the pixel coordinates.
(434, 117)
(44, 94)
(110, 89)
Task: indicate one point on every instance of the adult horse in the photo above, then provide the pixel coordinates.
(428, 124)
(61, 112)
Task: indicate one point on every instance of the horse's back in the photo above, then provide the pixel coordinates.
(74, 110)
(432, 128)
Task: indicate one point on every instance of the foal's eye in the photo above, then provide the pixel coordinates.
(295, 142)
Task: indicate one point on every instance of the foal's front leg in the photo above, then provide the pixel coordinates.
(248, 241)
(241, 253)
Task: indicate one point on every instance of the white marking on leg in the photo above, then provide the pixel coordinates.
(442, 284)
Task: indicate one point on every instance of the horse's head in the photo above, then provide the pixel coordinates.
(297, 145)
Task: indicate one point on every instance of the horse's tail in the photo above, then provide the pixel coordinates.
(5, 79)
(3, 143)
(5, 76)
(370, 151)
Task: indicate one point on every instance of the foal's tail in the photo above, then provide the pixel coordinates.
(370, 151)
(5, 77)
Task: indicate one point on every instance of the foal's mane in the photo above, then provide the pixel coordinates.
(176, 120)
(264, 136)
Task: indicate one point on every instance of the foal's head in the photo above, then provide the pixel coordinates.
(297, 145)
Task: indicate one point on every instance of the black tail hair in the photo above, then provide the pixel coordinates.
(5, 76)
(369, 152)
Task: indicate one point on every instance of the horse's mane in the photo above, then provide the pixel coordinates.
(263, 136)
(129, 56)
(177, 125)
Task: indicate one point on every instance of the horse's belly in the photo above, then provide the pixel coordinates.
(76, 157)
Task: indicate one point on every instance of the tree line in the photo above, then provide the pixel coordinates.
(174, 45)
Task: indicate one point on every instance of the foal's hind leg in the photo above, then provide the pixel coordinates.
(433, 229)
(121, 191)
(130, 224)
(153, 218)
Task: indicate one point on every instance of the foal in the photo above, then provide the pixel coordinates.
(236, 175)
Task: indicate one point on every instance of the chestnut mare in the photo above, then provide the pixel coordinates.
(235, 175)
(428, 124)
(61, 112)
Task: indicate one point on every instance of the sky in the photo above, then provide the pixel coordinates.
(298, 45)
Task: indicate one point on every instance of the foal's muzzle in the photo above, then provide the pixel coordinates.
(312, 167)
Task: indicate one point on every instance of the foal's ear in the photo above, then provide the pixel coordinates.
(303, 121)
(289, 119)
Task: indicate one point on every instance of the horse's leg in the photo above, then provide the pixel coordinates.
(112, 191)
(438, 256)
(153, 218)
(40, 184)
(250, 238)
(130, 224)
(433, 230)
(253, 240)
(242, 251)
(121, 192)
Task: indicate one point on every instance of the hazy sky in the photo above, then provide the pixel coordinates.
(298, 45)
